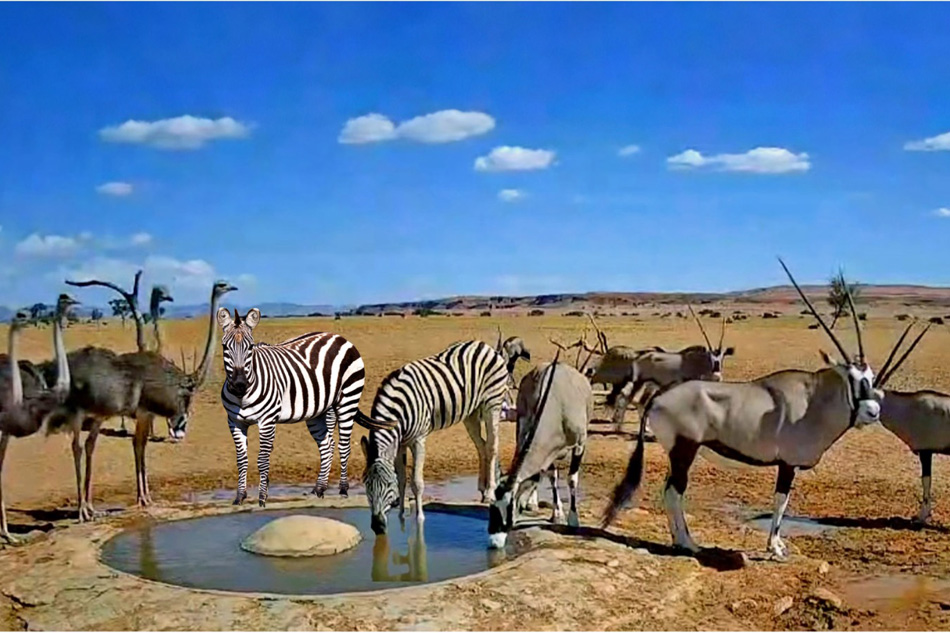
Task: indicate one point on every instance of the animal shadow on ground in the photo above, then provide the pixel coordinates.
(610, 431)
(712, 557)
(878, 523)
(121, 433)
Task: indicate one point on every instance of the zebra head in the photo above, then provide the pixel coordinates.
(379, 480)
(238, 343)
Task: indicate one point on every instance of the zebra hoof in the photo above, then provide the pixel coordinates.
(239, 500)
(317, 490)
(262, 503)
(344, 492)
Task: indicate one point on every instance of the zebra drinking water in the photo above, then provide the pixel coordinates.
(464, 383)
(317, 377)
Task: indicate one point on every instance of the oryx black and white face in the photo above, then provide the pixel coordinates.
(500, 516)
(715, 358)
(863, 398)
(237, 341)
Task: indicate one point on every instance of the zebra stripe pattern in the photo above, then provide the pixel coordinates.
(317, 378)
(467, 382)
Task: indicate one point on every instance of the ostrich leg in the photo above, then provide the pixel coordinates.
(4, 528)
(90, 448)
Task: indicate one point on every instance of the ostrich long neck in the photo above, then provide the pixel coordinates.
(202, 372)
(16, 383)
(59, 349)
(156, 313)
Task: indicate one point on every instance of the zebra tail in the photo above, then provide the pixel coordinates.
(372, 424)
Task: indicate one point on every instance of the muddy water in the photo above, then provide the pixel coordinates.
(205, 553)
(792, 525)
(895, 591)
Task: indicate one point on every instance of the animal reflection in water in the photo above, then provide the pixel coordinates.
(415, 559)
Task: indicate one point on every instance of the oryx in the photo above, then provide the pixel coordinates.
(512, 348)
(921, 419)
(555, 403)
(786, 419)
(629, 370)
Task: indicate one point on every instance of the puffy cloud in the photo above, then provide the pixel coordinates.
(507, 158)
(942, 212)
(510, 195)
(371, 128)
(628, 150)
(140, 239)
(37, 245)
(761, 160)
(939, 143)
(444, 126)
(118, 189)
(184, 132)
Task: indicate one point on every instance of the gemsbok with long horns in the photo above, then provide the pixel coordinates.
(787, 419)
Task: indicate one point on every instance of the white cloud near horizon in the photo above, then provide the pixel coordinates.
(628, 150)
(511, 195)
(508, 158)
(939, 143)
(444, 126)
(116, 189)
(37, 245)
(760, 160)
(185, 132)
(942, 212)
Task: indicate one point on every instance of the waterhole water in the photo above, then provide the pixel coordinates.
(792, 525)
(205, 553)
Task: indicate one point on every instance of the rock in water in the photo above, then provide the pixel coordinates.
(302, 535)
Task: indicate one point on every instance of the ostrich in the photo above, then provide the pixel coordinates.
(138, 384)
(24, 411)
(159, 294)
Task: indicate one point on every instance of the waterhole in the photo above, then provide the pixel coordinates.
(792, 525)
(205, 553)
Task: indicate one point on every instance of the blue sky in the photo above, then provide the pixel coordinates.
(250, 155)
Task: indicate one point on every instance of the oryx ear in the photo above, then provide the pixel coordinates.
(253, 318)
(224, 318)
(828, 359)
(729, 351)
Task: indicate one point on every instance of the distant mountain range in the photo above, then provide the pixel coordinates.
(876, 294)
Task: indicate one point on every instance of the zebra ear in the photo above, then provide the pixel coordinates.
(253, 318)
(224, 318)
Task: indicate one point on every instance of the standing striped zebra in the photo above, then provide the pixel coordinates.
(317, 377)
(465, 383)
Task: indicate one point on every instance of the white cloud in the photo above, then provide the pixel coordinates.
(938, 143)
(37, 245)
(118, 189)
(510, 195)
(141, 239)
(371, 128)
(942, 212)
(507, 158)
(444, 126)
(761, 160)
(628, 150)
(184, 132)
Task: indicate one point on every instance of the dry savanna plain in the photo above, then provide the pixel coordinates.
(869, 567)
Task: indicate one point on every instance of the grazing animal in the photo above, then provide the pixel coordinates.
(512, 348)
(555, 403)
(464, 383)
(23, 412)
(138, 384)
(316, 377)
(920, 419)
(786, 419)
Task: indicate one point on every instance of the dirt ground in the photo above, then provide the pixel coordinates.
(871, 569)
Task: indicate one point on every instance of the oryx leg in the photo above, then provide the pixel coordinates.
(623, 399)
(557, 516)
(491, 431)
(926, 464)
(572, 479)
(473, 424)
(418, 484)
(783, 485)
(681, 458)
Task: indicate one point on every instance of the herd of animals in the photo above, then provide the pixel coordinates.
(788, 418)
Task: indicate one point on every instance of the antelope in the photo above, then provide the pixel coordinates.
(787, 419)
(920, 419)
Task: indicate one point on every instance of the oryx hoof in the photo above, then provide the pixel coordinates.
(558, 518)
(778, 550)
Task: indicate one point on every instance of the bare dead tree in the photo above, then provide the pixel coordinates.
(131, 298)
